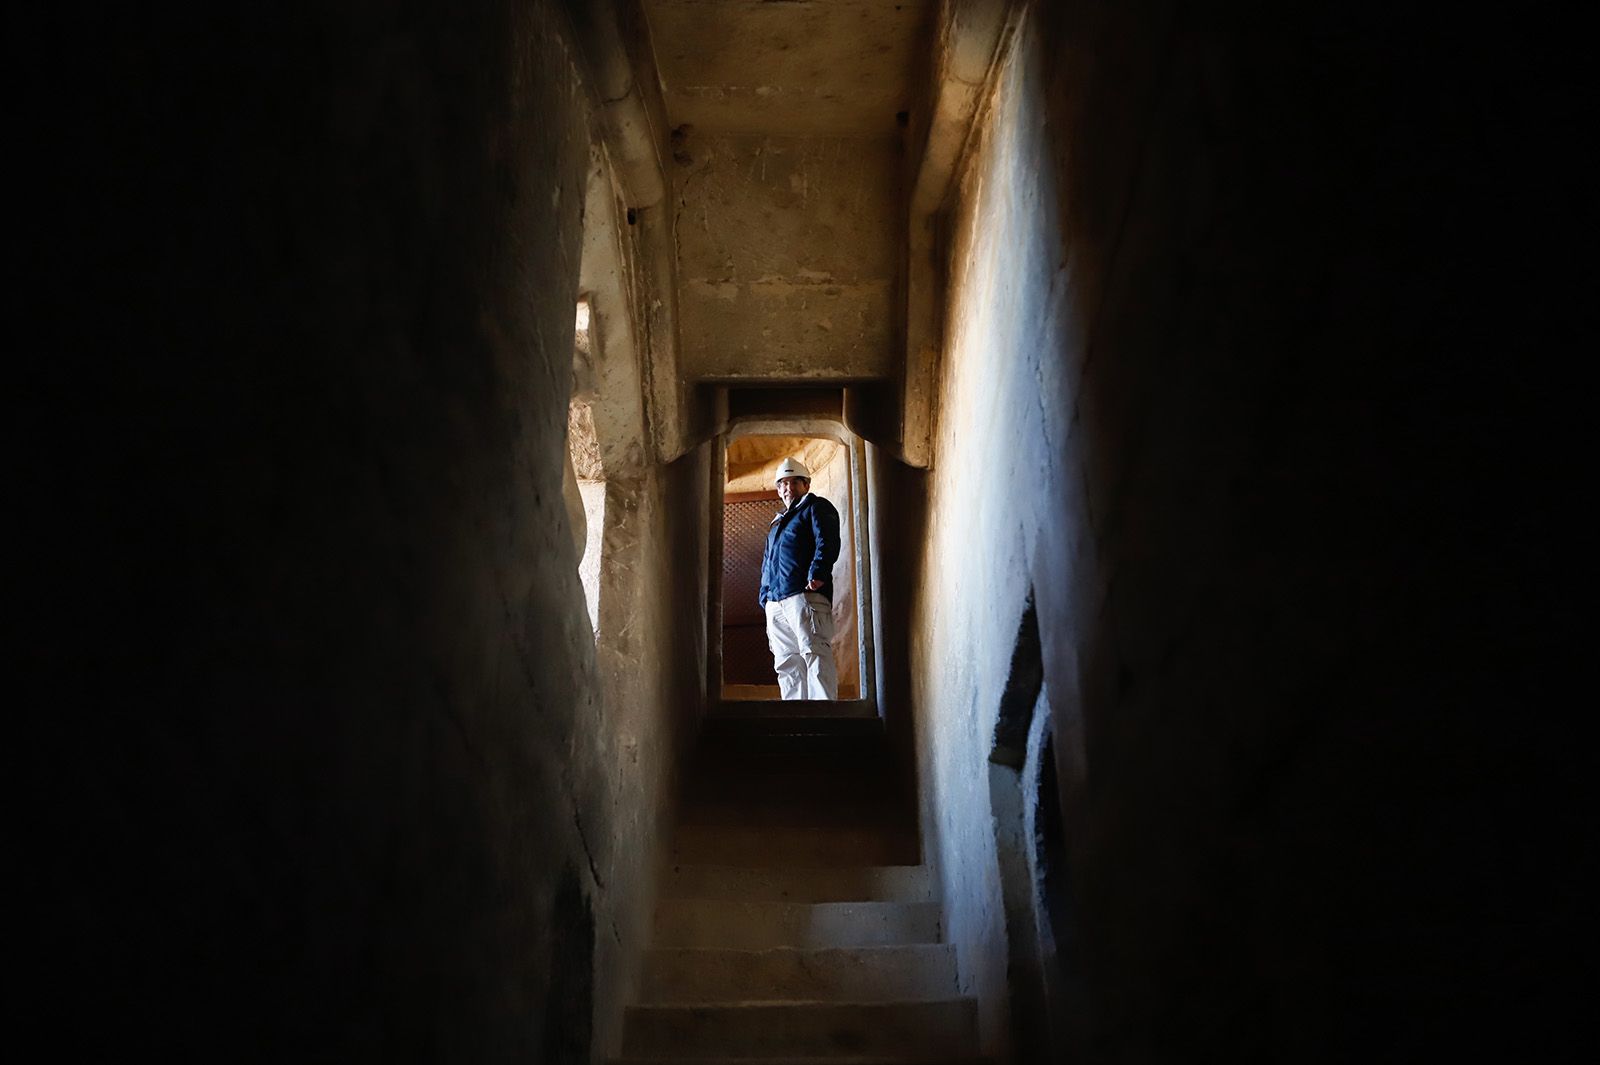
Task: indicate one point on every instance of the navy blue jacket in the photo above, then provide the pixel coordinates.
(802, 545)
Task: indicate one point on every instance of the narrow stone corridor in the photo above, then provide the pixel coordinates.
(402, 390)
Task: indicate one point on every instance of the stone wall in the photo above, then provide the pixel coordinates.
(1214, 387)
(650, 672)
(351, 787)
(786, 250)
(974, 582)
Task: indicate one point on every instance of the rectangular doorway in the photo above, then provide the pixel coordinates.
(749, 504)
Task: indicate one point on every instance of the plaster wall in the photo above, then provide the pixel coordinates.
(786, 256)
(351, 759)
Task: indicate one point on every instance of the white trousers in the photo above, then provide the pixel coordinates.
(800, 633)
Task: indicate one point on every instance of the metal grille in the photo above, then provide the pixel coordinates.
(745, 657)
(744, 539)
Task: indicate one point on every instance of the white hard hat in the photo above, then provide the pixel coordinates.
(790, 468)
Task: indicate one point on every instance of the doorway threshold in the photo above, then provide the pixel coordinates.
(750, 709)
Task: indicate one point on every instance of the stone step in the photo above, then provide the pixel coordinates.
(771, 812)
(831, 1059)
(810, 846)
(719, 924)
(857, 883)
(853, 742)
(854, 974)
(793, 726)
(802, 761)
(942, 1028)
(867, 789)
(767, 708)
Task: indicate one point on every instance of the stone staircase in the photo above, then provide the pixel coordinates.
(796, 925)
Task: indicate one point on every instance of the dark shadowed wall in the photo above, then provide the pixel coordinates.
(1225, 386)
(1242, 378)
(304, 597)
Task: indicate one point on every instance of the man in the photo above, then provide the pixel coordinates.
(797, 587)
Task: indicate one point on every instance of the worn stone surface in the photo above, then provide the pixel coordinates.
(1242, 377)
(788, 254)
(820, 974)
(801, 1030)
(794, 932)
(649, 674)
(818, 69)
(906, 883)
(593, 494)
(343, 731)
(764, 925)
(1209, 388)
(753, 460)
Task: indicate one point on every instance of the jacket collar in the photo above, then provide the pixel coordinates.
(805, 501)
